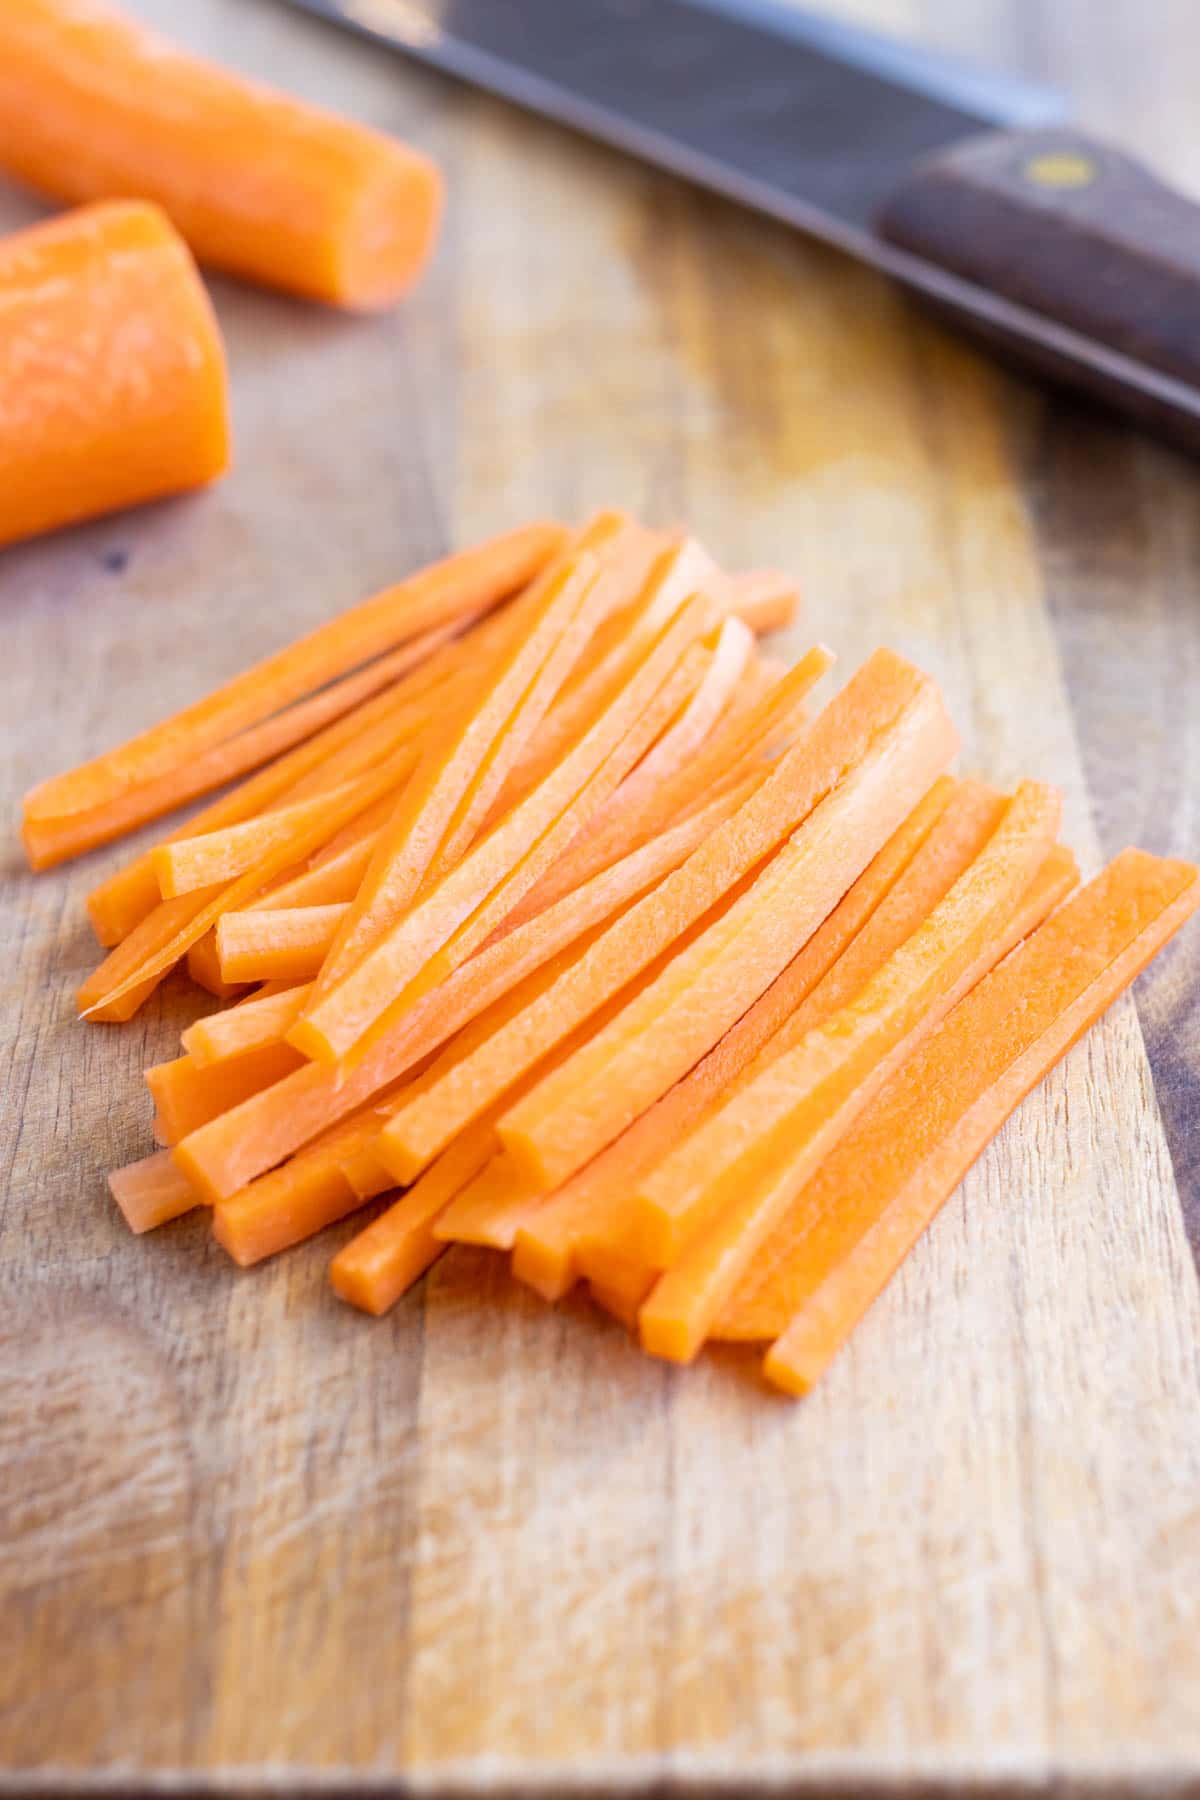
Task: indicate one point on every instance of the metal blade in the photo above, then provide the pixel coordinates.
(822, 113)
(809, 120)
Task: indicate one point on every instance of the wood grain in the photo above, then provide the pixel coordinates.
(251, 1541)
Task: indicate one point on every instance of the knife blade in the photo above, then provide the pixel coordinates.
(960, 183)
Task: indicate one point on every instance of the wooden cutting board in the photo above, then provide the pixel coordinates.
(250, 1540)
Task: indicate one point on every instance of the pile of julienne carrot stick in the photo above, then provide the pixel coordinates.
(563, 917)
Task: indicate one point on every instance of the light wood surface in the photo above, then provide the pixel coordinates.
(250, 1540)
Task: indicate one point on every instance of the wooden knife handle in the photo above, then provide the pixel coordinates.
(1069, 227)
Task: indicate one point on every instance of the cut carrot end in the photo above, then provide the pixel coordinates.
(667, 1336)
(151, 1192)
(311, 1042)
(548, 1269)
(792, 1372)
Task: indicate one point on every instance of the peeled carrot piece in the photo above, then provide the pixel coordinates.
(131, 972)
(759, 1309)
(744, 1165)
(764, 600)
(286, 943)
(187, 1096)
(456, 588)
(244, 1143)
(461, 771)
(120, 903)
(667, 1027)
(375, 1268)
(93, 104)
(105, 302)
(295, 1201)
(151, 1192)
(926, 1128)
(550, 1233)
(259, 1020)
(731, 752)
(554, 1231)
(885, 690)
(621, 1291)
(620, 1263)
(219, 856)
(493, 877)
(204, 968)
(51, 841)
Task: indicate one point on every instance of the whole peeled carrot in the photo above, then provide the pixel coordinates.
(94, 105)
(112, 371)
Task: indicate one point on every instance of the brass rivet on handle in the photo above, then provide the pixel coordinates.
(1061, 169)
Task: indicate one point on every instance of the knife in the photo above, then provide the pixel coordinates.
(964, 185)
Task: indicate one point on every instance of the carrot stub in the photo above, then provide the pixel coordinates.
(111, 366)
(93, 105)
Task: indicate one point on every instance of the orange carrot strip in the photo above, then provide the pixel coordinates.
(621, 1302)
(552, 1233)
(884, 691)
(276, 943)
(946, 1104)
(295, 1201)
(461, 771)
(204, 968)
(456, 588)
(495, 874)
(646, 586)
(597, 1256)
(249, 1140)
(93, 104)
(734, 648)
(52, 841)
(219, 856)
(151, 1192)
(259, 1020)
(187, 1096)
(745, 1164)
(135, 967)
(763, 600)
(375, 1268)
(331, 880)
(105, 301)
(759, 1306)
(122, 901)
(666, 1029)
(729, 753)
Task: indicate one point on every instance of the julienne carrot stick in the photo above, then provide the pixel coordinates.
(553, 1233)
(455, 589)
(748, 1160)
(886, 696)
(549, 1234)
(52, 841)
(601, 1260)
(249, 1139)
(463, 769)
(187, 1096)
(735, 746)
(151, 1192)
(295, 1201)
(134, 968)
(759, 1306)
(257, 1021)
(219, 856)
(93, 104)
(105, 301)
(373, 730)
(674, 1021)
(276, 943)
(496, 873)
(382, 1262)
(204, 968)
(944, 1106)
